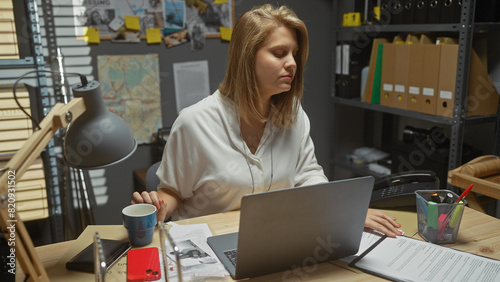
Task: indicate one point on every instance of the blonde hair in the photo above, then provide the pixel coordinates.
(250, 33)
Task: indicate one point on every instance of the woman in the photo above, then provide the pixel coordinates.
(252, 134)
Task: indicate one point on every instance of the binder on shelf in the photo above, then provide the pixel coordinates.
(350, 61)
(450, 11)
(415, 77)
(377, 76)
(487, 11)
(396, 9)
(338, 68)
(430, 78)
(387, 75)
(369, 14)
(385, 9)
(401, 70)
(434, 11)
(408, 11)
(342, 70)
(447, 80)
(482, 96)
(420, 12)
(371, 69)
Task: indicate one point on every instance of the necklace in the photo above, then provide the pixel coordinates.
(250, 169)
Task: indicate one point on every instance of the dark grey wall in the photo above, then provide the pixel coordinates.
(317, 16)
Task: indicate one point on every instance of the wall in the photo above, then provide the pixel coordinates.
(317, 16)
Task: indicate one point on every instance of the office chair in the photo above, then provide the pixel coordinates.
(152, 180)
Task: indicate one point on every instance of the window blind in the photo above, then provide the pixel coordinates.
(15, 126)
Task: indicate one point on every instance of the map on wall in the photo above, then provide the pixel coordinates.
(131, 89)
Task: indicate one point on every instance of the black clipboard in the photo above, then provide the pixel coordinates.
(84, 260)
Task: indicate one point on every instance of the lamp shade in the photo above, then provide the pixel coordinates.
(97, 138)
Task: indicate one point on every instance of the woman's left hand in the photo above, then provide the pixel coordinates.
(382, 222)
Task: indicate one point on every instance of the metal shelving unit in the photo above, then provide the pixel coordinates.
(36, 61)
(465, 30)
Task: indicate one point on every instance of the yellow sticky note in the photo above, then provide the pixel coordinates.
(225, 33)
(153, 35)
(220, 1)
(92, 35)
(132, 23)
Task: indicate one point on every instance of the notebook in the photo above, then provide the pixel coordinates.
(284, 229)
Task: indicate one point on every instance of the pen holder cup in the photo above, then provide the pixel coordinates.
(439, 215)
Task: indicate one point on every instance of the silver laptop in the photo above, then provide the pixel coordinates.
(293, 227)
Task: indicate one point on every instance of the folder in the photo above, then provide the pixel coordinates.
(377, 76)
(415, 77)
(430, 78)
(420, 12)
(482, 97)
(345, 86)
(396, 9)
(387, 75)
(352, 60)
(373, 57)
(450, 11)
(401, 70)
(447, 80)
(434, 11)
(338, 68)
(408, 11)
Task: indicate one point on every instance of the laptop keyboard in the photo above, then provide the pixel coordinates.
(231, 255)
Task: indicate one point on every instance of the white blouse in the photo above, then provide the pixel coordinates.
(209, 166)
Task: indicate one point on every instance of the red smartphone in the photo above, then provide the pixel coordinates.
(143, 265)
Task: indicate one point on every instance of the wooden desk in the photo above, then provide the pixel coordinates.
(478, 234)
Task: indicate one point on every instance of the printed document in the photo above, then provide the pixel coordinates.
(407, 259)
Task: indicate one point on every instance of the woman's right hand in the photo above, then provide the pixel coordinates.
(152, 198)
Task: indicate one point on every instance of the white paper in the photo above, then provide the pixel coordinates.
(191, 83)
(193, 238)
(367, 239)
(407, 259)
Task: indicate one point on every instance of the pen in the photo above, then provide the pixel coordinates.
(465, 193)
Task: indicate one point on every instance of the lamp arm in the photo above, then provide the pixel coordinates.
(13, 227)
